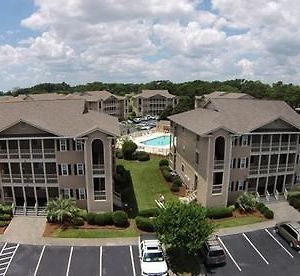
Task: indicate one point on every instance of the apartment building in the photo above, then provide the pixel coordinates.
(153, 102)
(102, 101)
(56, 147)
(231, 145)
(201, 101)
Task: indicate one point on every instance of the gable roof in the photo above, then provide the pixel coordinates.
(225, 95)
(59, 117)
(151, 93)
(94, 95)
(236, 115)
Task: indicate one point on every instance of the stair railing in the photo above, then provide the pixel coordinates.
(276, 194)
(285, 193)
(267, 196)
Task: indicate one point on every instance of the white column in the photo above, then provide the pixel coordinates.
(19, 150)
(30, 148)
(32, 172)
(24, 194)
(10, 174)
(7, 149)
(21, 172)
(47, 194)
(35, 194)
(13, 194)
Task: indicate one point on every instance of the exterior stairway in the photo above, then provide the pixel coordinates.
(192, 196)
(29, 210)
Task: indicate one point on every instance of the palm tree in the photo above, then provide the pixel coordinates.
(62, 209)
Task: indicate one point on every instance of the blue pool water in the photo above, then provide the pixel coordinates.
(160, 141)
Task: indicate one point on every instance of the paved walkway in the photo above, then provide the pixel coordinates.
(29, 230)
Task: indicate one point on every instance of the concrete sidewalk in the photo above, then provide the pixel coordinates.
(29, 230)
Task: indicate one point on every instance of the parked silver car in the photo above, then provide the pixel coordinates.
(290, 231)
(212, 252)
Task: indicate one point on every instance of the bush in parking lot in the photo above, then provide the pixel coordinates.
(219, 212)
(120, 219)
(142, 156)
(5, 217)
(246, 202)
(164, 162)
(265, 211)
(91, 218)
(153, 212)
(4, 223)
(78, 221)
(145, 224)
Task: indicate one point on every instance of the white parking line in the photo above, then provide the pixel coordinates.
(69, 261)
(228, 253)
(101, 253)
(279, 243)
(132, 261)
(13, 254)
(261, 255)
(39, 261)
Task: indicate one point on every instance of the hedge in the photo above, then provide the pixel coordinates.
(120, 219)
(4, 223)
(177, 181)
(167, 175)
(265, 211)
(142, 156)
(103, 219)
(91, 218)
(164, 162)
(145, 224)
(219, 212)
(82, 213)
(6, 209)
(153, 212)
(5, 217)
(174, 188)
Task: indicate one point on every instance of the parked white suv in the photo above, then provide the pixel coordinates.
(152, 258)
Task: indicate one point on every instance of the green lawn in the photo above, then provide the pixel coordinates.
(96, 233)
(239, 221)
(147, 182)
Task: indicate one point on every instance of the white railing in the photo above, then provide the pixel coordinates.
(267, 196)
(98, 169)
(24, 208)
(99, 195)
(36, 208)
(51, 178)
(13, 207)
(285, 193)
(276, 194)
(219, 164)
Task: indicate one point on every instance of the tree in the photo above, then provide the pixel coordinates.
(183, 226)
(166, 113)
(246, 202)
(62, 210)
(128, 148)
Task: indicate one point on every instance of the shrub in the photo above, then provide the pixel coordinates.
(50, 218)
(78, 221)
(246, 202)
(82, 213)
(120, 170)
(5, 209)
(164, 162)
(219, 212)
(5, 217)
(177, 181)
(174, 188)
(153, 212)
(165, 168)
(4, 223)
(145, 224)
(167, 175)
(91, 218)
(265, 211)
(108, 218)
(119, 154)
(268, 214)
(142, 156)
(120, 219)
(128, 148)
(293, 195)
(103, 219)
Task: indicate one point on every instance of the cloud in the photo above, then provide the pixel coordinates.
(127, 40)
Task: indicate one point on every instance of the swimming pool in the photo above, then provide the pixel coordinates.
(161, 141)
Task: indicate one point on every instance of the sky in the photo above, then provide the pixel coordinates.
(80, 41)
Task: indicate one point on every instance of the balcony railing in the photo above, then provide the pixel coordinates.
(284, 146)
(273, 168)
(5, 178)
(98, 169)
(51, 178)
(13, 153)
(25, 153)
(37, 153)
(49, 152)
(99, 195)
(219, 165)
(3, 154)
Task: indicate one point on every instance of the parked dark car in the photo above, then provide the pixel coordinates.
(212, 252)
(290, 231)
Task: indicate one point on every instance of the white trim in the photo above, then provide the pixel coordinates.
(69, 261)
(39, 261)
(63, 143)
(67, 169)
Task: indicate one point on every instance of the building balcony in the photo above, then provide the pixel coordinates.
(273, 168)
(218, 164)
(98, 169)
(266, 147)
(26, 154)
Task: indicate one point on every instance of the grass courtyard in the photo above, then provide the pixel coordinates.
(147, 182)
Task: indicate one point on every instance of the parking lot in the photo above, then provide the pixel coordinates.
(29, 260)
(261, 252)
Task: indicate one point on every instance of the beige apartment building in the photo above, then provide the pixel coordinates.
(153, 102)
(102, 101)
(56, 147)
(231, 145)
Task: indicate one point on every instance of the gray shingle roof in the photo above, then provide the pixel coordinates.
(151, 93)
(227, 95)
(236, 115)
(59, 117)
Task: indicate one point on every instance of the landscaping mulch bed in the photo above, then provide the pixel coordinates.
(238, 213)
(2, 229)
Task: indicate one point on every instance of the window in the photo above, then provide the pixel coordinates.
(217, 183)
(66, 193)
(243, 163)
(197, 157)
(64, 169)
(231, 186)
(80, 169)
(182, 167)
(245, 140)
(80, 194)
(63, 145)
(99, 189)
(79, 145)
(241, 185)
